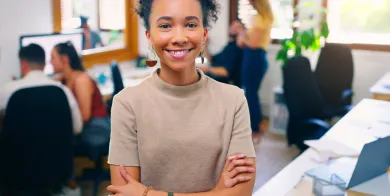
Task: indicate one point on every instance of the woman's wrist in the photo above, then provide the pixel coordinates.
(157, 193)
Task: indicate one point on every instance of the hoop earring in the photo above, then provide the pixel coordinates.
(201, 57)
(151, 62)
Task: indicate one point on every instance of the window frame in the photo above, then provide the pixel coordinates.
(370, 47)
(102, 56)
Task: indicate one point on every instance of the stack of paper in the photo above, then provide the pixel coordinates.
(330, 149)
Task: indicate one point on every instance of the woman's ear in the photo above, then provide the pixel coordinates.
(147, 34)
(205, 36)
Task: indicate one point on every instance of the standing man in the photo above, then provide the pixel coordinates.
(91, 39)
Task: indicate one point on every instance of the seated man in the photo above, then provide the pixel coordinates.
(225, 66)
(32, 62)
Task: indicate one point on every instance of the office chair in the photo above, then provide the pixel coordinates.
(117, 81)
(334, 75)
(36, 142)
(98, 173)
(304, 103)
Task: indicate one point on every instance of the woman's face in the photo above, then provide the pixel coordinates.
(56, 61)
(176, 32)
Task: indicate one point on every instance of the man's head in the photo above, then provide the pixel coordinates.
(32, 57)
(235, 27)
(84, 22)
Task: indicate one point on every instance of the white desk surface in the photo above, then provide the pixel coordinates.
(361, 125)
(382, 86)
(131, 75)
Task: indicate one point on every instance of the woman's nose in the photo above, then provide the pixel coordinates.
(180, 37)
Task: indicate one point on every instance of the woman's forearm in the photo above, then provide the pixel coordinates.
(224, 192)
(219, 71)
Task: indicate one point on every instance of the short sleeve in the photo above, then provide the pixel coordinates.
(75, 109)
(241, 140)
(123, 143)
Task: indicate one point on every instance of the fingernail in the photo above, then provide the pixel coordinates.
(248, 178)
(252, 170)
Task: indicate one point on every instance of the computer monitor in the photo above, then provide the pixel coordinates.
(48, 41)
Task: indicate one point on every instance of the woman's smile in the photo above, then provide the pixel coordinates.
(178, 54)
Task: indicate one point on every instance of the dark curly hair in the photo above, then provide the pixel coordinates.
(210, 10)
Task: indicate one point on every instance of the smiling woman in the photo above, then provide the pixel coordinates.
(179, 130)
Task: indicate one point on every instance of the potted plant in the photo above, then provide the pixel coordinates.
(311, 29)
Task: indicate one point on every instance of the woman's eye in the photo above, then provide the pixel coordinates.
(191, 25)
(164, 26)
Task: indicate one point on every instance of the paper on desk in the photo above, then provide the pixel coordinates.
(331, 148)
(380, 129)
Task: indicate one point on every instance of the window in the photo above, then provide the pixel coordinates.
(102, 14)
(71, 10)
(359, 21)
(283, 16)
(112, 14)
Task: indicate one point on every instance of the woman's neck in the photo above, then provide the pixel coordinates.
(68, 74)
(179, 78)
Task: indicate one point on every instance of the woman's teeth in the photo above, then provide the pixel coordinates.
(178, 53)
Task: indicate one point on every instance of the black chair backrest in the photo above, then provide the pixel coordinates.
(301, 93)
(334, 72)
(116, 78)
(36, 140)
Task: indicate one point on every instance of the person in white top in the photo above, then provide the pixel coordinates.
(32, 61)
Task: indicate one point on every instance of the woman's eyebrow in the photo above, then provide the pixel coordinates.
(170, 18)
(192, 18)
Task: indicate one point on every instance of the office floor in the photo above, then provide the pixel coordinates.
(272, 156)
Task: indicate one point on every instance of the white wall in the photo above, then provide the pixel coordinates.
(19, 17)
(218, 34)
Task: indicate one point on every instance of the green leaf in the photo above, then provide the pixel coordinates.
(316, 44)
(307, 38)
(290, 45)
(298, 51)
(325, 29)
(282, 55)
(294, 38)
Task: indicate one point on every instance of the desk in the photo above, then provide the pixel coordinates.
(131, 75)
(353, 130)
(381, 90)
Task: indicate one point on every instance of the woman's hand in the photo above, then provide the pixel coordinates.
(235, 165)
(132, 188)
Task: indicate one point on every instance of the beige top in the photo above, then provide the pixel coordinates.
(265, 25)
(180, 136)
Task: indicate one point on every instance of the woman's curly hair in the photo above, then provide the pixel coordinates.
(210, 10)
